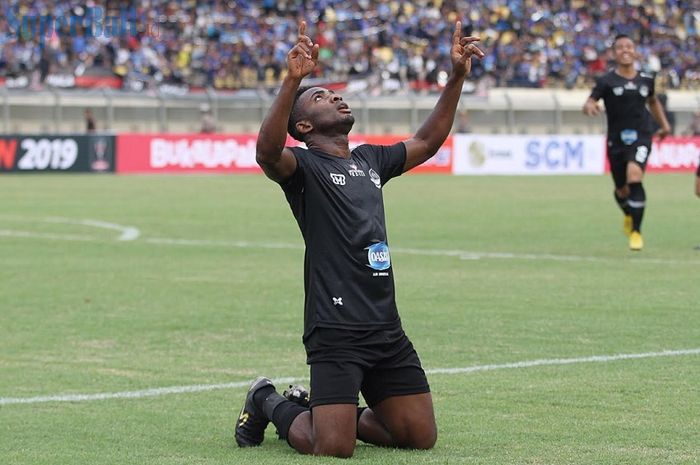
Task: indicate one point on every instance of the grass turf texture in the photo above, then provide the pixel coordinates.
(106, 316)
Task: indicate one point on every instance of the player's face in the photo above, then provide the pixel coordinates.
(326, 110)
(624, 51)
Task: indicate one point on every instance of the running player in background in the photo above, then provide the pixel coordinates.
(626, 93)
(352, 331)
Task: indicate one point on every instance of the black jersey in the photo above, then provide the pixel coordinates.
(629, 121)
(338, 205)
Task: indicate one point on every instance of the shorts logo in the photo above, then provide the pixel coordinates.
(378, 256)
(353, 171)
(618, 91)
(375, 178)
(338, 179)
(643, 91)
(642, 154)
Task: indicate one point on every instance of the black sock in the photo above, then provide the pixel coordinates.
(622, 203)
(282, 412)
(261, 394)
(637, 202)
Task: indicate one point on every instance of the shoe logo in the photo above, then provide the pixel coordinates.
(337, 301)
(243, 418)
(338, 179)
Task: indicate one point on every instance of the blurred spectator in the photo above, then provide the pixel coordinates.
(693, 128)
(393, 46)
(207, 119)
(90, 125)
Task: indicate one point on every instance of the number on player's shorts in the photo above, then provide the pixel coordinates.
(642, 154)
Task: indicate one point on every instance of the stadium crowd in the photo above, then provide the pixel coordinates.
(387, 45)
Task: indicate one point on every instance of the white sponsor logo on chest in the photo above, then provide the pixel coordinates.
(338, 179)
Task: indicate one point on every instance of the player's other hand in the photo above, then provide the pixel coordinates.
(591, 108)
(662, 133)
(463, 49)
(303, 57)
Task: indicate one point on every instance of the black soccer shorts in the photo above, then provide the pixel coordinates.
(620, 155)
(379, 364)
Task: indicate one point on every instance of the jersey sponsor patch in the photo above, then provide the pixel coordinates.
(643, 91)
(378, 256)
(618, 91)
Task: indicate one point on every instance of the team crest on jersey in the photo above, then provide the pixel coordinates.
(354, 172)
(375, 178)
(618, 91)
(643, 91)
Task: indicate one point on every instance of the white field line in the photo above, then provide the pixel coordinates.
(129, 235)
(51, 236)
(155, 392)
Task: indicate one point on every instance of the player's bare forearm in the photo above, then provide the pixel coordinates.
(273, 130)
(438, 125)
(430, 136)
(657, 111)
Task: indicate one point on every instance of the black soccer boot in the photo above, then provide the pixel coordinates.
(251, 424)
(297, 394)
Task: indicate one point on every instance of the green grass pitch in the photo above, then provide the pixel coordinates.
(489, 271)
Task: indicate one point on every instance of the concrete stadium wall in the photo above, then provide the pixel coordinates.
(502, 111)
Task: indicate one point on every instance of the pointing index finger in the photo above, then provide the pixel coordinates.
(302, 28)
(458, 31)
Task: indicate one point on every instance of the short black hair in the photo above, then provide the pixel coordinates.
(621, 36)
(295, 115)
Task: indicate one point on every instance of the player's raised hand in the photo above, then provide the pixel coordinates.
(463, 48)
(303, 57)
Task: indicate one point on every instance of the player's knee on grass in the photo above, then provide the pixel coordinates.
(418, 436)
(334, 445)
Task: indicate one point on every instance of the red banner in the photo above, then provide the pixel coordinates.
(227, 153)
(672, 155)
(186, 153)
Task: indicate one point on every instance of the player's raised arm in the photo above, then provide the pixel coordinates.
(277, 162)
(431, 135)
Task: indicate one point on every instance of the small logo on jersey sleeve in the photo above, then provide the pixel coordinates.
(375, 178)
(378, 256)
